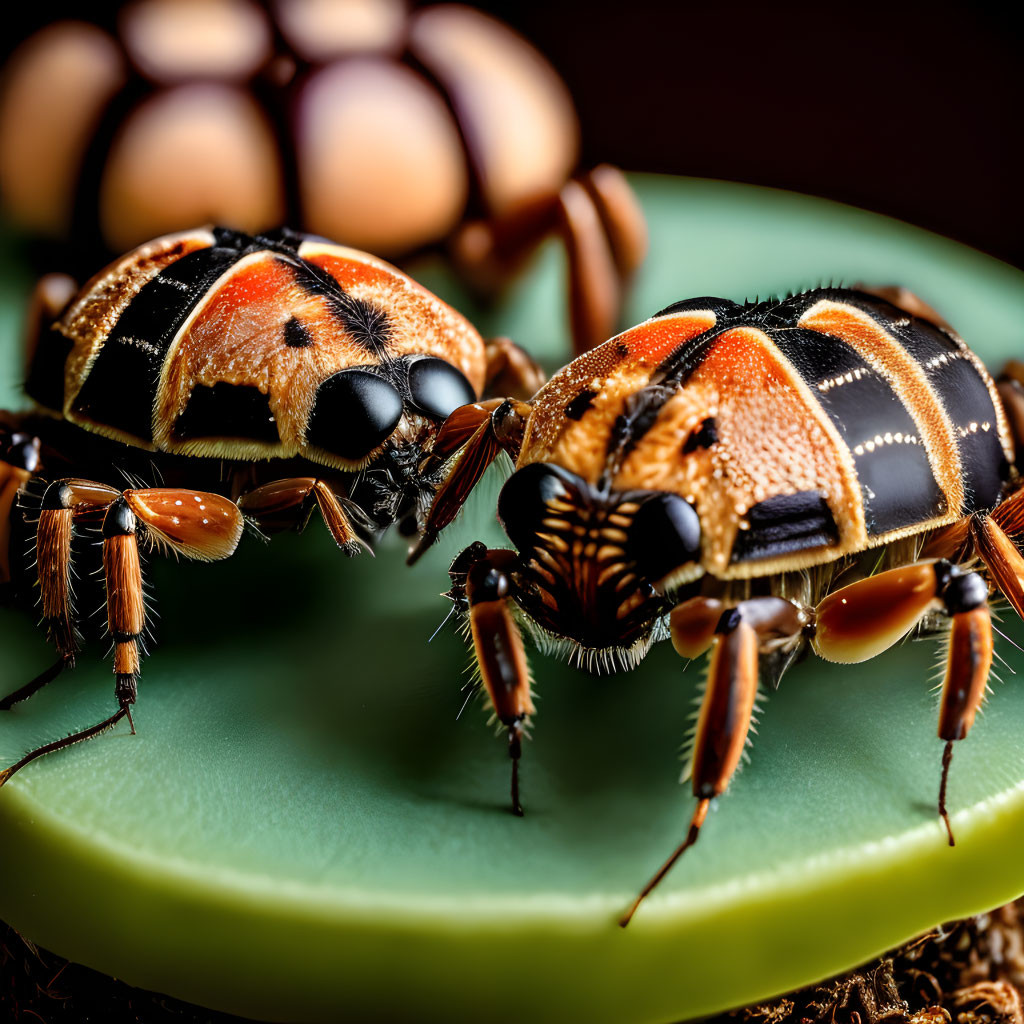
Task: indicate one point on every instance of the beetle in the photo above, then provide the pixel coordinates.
(259, 379)
(828, 471)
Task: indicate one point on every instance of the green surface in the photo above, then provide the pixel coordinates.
(302, 831)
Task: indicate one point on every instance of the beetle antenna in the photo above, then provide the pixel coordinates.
(947, 757)
(691, 837)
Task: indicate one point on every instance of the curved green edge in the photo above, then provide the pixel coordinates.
(748, 916)
(423, 962)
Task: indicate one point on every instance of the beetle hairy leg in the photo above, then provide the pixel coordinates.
(1001, 557)
(861, 620)
(500, 429)
(498, 646)
(288, 503)
(967, 668)
(126, 607)
(725, 714)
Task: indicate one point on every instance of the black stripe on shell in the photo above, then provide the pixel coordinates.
(235, 411)
(961, 388)
(784, 524)
(121, 387)
(896, 479)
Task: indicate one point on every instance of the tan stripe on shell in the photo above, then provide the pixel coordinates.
(886, 355)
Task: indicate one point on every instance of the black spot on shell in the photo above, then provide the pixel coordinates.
(580, 404)
(296, 334)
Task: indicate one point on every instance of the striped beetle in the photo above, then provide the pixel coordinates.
(830, 470)
(259, 378)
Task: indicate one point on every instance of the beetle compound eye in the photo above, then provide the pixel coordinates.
(438, 388)
(665, 535)
(526, 501)
(354, 412)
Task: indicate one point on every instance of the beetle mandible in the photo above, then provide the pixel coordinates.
(259, 378)
(682, 479)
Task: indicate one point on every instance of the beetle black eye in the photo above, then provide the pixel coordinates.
(525, 498)
(438, 388)
(354, 412)
(665, 535)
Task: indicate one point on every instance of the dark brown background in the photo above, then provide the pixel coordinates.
(911, 109)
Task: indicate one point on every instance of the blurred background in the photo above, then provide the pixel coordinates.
(910, 109)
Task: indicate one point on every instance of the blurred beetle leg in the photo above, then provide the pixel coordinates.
(967, 667)
(19, 461)
(622, 216)
(511, 370)
(500, 429)
(903, 298)
(595, 290)
(722, 727)
(858, 621)
(498, 646)
(45, 349)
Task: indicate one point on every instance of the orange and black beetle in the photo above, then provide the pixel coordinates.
(257, 378)
(827, 470)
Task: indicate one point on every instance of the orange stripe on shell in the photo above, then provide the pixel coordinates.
(612, 371)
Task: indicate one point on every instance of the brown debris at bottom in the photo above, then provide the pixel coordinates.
(968, 972)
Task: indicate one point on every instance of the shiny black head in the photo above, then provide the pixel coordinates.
(596, 566)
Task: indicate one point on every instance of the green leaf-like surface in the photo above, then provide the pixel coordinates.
(302, 831)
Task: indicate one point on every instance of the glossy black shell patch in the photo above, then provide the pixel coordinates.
(227, 410)
(355, 411)
(523, 501)
(438, 388)
(784, 524)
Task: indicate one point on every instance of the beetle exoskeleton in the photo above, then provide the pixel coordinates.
(682, 478)
(261, 378)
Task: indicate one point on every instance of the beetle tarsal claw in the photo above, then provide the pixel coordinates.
(947, 758)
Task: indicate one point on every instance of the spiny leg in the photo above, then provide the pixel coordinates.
(194, 524)
(736, 637)
(481, 579)
(62, 502)
(474, 435)
(861, 620)
(288, 503)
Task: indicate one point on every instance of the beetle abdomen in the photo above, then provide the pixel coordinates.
(801, 430)
(217, 344)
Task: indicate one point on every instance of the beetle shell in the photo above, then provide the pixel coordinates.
(800, 430)
(216, 344)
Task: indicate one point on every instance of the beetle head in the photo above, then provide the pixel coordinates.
(595, 566)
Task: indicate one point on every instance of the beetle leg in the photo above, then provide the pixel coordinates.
(605, 239)
(19, 460)
(511, 370)
(63, 502)
(861, 620)
(499, 429)
(736, 637)
(287, 504)
(481, 585)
